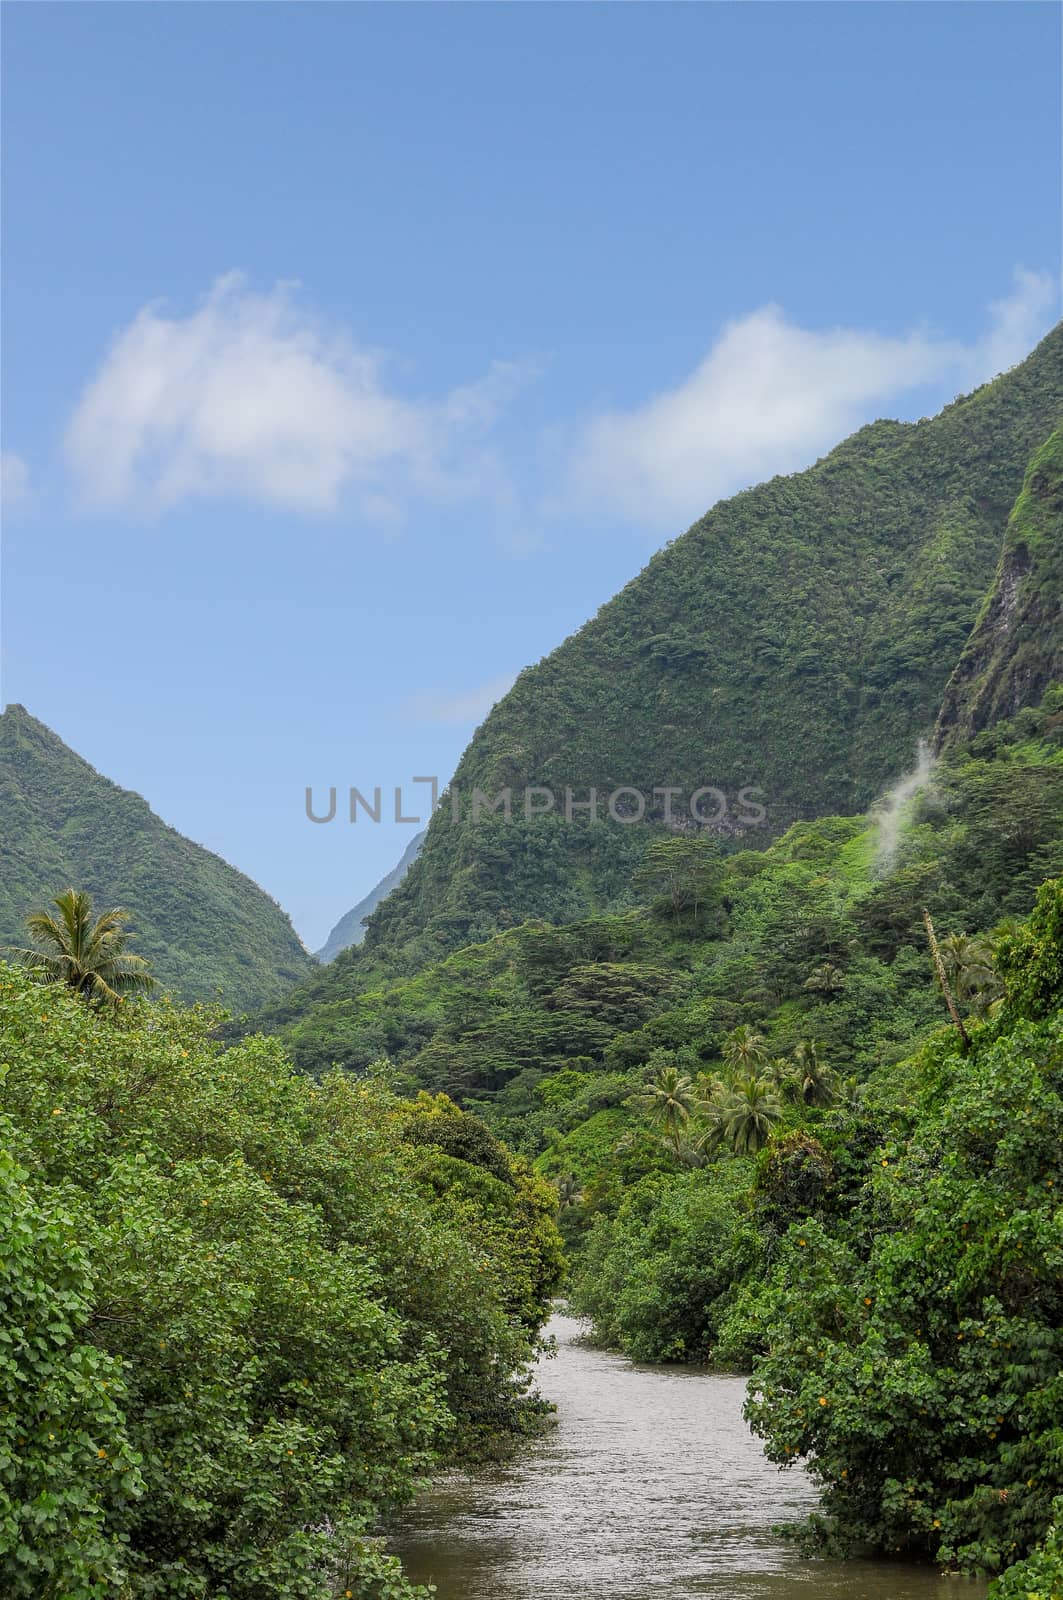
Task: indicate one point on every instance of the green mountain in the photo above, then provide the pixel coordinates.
(350, 929)
(798, 639)
(205, 927)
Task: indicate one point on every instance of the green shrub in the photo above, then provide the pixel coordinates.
(242, 1315)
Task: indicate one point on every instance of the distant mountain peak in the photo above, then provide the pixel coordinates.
(209, 931)
(350, 929)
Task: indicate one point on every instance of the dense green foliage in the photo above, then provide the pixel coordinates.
(241, 1312)
(205, 928)
(1040, 1577)
(892, 1271)
(910, 1345)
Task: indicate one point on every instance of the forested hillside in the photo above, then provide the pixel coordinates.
(206, 928)
(820, 935)
(798, 638)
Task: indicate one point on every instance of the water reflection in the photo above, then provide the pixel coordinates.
(649, 1487)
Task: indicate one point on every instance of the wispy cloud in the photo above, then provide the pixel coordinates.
(14, 480)
(771, 397)
(252, 396)
(468, 705)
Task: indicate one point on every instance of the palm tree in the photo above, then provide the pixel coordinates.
(969, 966)
(943, 980)
(688, 1151)
(91, 957)
(744, 1050)
(713, 1097)
(780, 1069)
(813, 1078)
(668, 1102)
(826, 979)
(851, 1093)
(749, 1114)
(569, 1192)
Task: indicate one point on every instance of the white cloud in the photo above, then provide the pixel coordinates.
(770, 397)
(1018, 321)
(14, 480)
(469, 705)
(251, 396)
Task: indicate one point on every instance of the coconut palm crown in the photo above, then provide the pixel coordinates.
(668, 1101)
(90, 956)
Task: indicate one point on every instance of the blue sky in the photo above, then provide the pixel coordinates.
(354, 355)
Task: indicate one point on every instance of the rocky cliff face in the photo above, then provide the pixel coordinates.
(1015, 650)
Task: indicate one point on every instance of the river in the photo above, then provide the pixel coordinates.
(650, 1487)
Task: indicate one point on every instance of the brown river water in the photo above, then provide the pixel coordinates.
(651, 1487)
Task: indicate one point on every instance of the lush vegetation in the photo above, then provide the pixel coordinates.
(810, 939)
(889, 1267)
(800, 1107)
(906, 1329)
(242, 1313)
(205, 928)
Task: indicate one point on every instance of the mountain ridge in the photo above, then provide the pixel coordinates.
(349, 930)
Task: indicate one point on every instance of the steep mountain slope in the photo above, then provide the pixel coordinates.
(205, 927)
(1016, 648)
(798, 638)
(349, 929)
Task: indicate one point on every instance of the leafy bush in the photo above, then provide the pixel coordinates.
(912, 1352)
(656, 1280)
(242, 1314)
(1040, 1577)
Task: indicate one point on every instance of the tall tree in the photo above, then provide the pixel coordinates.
(969, 965)
(681, 872)
(744, 1050)
(943, 979)
(813, 1078)
(751, 1111)
(668, 1101)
